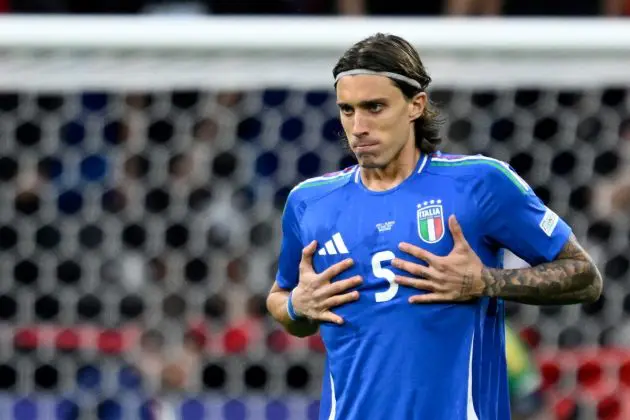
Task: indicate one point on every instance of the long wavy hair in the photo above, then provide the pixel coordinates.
(391, 53)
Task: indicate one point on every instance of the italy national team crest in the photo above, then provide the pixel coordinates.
(431, 221)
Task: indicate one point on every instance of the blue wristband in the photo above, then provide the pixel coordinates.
(291, 310)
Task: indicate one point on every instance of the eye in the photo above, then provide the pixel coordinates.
(346, 109)
(375, 107)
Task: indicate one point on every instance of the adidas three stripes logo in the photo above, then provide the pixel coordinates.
(334, 246)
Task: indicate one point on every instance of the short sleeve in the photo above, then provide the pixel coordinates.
(515, 218)
(291, 245)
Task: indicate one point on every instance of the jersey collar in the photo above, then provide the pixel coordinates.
(422, 163)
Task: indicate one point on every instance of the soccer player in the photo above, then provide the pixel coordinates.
(396, 261)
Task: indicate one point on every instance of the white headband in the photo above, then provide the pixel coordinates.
(396, 76)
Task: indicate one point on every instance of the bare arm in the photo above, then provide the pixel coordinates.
(351, 7)
(571, 278)
(612, 7)
(469, 7)
(277, 307)
(459, 7)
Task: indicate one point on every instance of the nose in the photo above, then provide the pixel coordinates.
(359, 125)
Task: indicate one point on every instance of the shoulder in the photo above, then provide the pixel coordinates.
(465, 164)
(315, 188)
(480, 168)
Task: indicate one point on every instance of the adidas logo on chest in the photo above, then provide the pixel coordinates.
(334, 246)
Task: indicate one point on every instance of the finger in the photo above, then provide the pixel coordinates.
(330, 317)
(416, 283)
(430, 298)
(343, 285)
(456, 231)
(339, 300)
(417, 270)
(417, 252)
(336, 269)
(306, 263)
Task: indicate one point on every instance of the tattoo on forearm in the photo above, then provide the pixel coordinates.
(571, 278)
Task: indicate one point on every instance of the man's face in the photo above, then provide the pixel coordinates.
(376, 117)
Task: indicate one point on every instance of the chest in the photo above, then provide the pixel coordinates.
(369, 229)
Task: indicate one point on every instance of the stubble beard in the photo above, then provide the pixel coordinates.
(371, 163)
(378, 161)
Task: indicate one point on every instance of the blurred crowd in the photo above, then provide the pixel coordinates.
(150, 220)
(328, 7)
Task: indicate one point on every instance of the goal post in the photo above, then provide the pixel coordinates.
(139, 52)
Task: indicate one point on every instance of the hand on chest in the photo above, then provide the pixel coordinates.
(371, 237)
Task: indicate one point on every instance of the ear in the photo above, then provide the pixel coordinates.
(417, 105)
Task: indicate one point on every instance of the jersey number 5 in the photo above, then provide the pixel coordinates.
(384, 273)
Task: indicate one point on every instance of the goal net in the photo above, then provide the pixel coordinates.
(145, 163)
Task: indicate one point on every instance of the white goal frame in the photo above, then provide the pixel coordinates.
(52, 53)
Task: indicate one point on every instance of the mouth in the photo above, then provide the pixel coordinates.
(366, 146)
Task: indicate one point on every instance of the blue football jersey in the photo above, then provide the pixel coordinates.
(392, 359)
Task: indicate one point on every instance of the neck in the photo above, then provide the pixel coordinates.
(394, 173)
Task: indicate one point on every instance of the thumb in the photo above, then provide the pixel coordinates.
(456, 231)
(306, 264)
